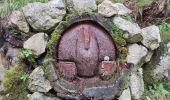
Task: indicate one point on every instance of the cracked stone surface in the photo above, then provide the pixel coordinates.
(37, 81)
(17, 19)
(151, 37)
(44, 16)
(136, 54)
(126, 95)
(108, 9)
(137, 84)
(82, 5)
(37, 43)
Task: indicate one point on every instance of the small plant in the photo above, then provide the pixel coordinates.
(164, 27)
(24, 77)
(26, 53)
(28, 57)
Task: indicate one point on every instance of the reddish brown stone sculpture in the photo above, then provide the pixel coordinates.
(86, 45)
(86, 61)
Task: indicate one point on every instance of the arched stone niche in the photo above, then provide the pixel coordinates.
(87, 61)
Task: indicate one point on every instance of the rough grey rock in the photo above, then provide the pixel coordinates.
(99, 92)
(37, 81)
(149, 56)
(40, 96)
(48, 63)
(44, 16)
(37, 43)
(133, 31)
(95, 91)
(121, 9)
(163, 68)
(136, 54)
(82, 5)
(151, 37)
(108, 9)
(17, 20)
(137, 84)
(126, 95)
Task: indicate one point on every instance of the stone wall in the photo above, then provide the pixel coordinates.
(37, 28)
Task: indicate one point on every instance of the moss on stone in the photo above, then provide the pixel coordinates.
(127, 17)
(28, 57)
(149, 67)
(99, 1)
(126, 80)
(16, 33)
(118, 37)
(49, 70)
(55, 36)
(14, 85)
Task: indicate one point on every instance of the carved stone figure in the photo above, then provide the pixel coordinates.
(82, 50)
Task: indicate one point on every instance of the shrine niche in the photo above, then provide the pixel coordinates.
(86, 60)
(82, 51)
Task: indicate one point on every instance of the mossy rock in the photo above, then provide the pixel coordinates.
(14, 85)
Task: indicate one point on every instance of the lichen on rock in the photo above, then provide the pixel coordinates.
(37, 81)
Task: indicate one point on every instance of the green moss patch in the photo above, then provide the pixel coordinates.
(118, 37)
(15, 83)
(18, 34)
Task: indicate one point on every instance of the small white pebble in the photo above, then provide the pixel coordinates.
(106, 58)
